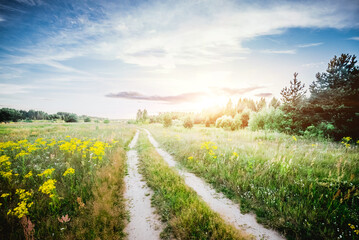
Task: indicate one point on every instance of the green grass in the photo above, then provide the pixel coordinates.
(187, 216)
(303, 188)
(91, 196)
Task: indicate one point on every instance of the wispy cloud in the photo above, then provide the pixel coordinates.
(10, 89)
(237, 91)
(354, 38)
(310, 45)
(193, 33)
(181, 98)
(265, 95)
(30, 2)
(271, 51)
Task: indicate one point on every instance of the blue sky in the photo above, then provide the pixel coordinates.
(110, 58)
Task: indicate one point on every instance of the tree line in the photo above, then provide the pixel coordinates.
(330, 111)
(13, 115)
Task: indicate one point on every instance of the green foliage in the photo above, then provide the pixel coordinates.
(268, 118)
(71, 117)
(167, 120)
(293, 95)
(225, 122)
(188, 123)
(321, 131)
(142, 116)
(106, 121)
(274, 103)
(334, 96)
(87, 119)
(236, 122)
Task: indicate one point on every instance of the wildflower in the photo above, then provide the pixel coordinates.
(28, 175)
(190, 158)
(4, 195)
(48, 187)
(69, 171)
(235, 154)
(294, 138)
(64, 219)
(47, 172)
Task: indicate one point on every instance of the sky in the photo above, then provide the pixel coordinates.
(111, 58)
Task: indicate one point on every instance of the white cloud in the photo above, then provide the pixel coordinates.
(354, 38)
(271, 51)
(9, 89)
(164, 35)
(310, 45)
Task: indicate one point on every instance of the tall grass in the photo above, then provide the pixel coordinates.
(56, 181)
(187, 216)
(305, 189)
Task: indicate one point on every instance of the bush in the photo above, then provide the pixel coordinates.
(71, 118)
(87, 119)
(225, 122)
(167, 121)
(106, 121)
(188, 123)
(236, 122)
(322, 130)
(245, 117)
(268, 118)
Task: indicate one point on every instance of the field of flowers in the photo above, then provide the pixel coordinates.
(50, 176)
(304, 188)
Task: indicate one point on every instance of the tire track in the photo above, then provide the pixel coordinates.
(229, 211)
(144, 223)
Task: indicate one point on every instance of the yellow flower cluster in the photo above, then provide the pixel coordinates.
(48, 187)
(69, 171)
(346, 141)
(356, 231)
(46, 172)
(210, 146)
(23, 206)
(28, 175)
(5, 164)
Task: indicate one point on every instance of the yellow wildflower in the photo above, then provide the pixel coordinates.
(69, 171)
(294, 138)
(235, 154)
(28, 175)
(47, 172)
(190, 158)
(4, 195)
(48, 187)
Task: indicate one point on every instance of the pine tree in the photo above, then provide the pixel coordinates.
(293, 95)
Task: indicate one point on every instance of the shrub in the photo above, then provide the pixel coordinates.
(225, 122)
(167, 121)
(322, 130)
(245, 117)
(71, 118)
(87, 119)
(268, 118)
(236, 122)
(106, 121)
(188, 123)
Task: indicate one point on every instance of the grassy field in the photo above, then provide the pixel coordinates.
(66, 181)
(303, 188)
(62, 181)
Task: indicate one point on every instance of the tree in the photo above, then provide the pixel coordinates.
(229, 108)
(274, 103)
(167, 120)
(71, 117)
(139, 115)
(334, 96)
(261, 104)
(293, 95)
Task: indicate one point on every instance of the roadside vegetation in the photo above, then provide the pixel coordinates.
(306, 189)
(186, 215)
(62, 181)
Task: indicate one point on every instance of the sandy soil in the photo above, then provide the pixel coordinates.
(144, 223)
(229, 211)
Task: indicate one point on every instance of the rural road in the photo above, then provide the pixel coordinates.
(144, 223)
(228, 210)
